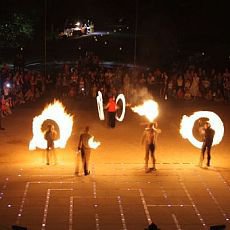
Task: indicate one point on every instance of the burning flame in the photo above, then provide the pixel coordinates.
(149, 109)
(93, 144)
(56, 112)
(187, 124)
(122, 98)
(100, 108)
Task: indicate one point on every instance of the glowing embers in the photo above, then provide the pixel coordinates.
(187, 124)
(56, 112)
(149, 109)
(92, 143)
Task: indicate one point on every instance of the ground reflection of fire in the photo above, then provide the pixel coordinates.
(187, 124)
(149, 109)
(54, 111)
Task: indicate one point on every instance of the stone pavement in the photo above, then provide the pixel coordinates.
(116, 197)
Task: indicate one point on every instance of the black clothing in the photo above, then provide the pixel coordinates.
(85, 149)
(112, 119)
(50, 139)
(207, 144)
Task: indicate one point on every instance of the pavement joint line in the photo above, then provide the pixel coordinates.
(223, 179)
(147, 205)
(147, 214)
(193, 203)
(48, 194)
(97, 222)
(169, 205)
(22, 202)
(71, 213)
(165, 195)
(176, 221)
(25, 194)
(224, 214)
(121, 213)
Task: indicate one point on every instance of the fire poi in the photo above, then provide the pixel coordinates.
(93, 144)
(149, 109)
(187, 124)
(54, 111)
(122, 98)
(100, 107)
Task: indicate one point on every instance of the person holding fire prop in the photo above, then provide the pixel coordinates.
(149, 139)
(85, 145)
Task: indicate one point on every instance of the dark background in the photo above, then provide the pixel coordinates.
(165, 31)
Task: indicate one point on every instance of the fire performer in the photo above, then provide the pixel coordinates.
(85, 150)
(208, 135)
(50, 136)
(149, 139)
(112, 108)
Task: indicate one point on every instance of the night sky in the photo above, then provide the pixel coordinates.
(178, 27)
(193, 19)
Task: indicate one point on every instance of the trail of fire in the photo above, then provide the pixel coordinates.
(187, 124)
(54, 111)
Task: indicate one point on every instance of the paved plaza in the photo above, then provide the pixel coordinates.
(118, 194)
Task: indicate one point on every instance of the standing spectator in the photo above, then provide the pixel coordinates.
(1, 128)
(194, 89)
(180, 87)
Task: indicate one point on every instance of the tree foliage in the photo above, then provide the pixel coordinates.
(15, 30)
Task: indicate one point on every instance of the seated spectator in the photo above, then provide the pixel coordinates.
(29, 96)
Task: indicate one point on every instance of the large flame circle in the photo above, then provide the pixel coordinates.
(187, 124)
(56, 112)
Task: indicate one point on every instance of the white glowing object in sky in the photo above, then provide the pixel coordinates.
(56, 112)
(122, 98)
(92, 143)
(187, 124)
(100, 106)
(149, 109)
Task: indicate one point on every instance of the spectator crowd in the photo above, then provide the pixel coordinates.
(88, 76)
